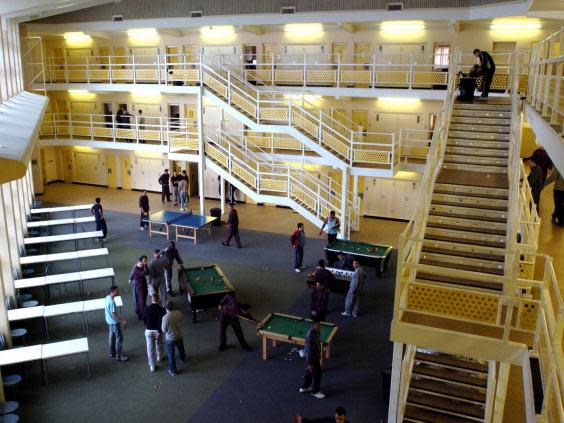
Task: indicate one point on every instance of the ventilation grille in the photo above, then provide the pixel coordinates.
(117, 18)
(288, 10)
(196, 14)
(394, 6)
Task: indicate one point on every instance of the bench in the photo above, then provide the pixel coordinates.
(57, 222)
(65, 237)
(71, 255)
(46, 352)
(80, 277)
(62, 309)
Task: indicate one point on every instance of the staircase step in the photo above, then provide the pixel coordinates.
(477, 179)
(452, 390)
(469, 201)
(474, 168)
(475, 160)
(473, 120)
(477, 135)
(479, 128)
(464, 250)
(465, 225)
(477, 152)
(463, 237)
(457, 376)
(415, 414)
(444, 404)
(481, 113)
(451, 361)
(461, 262)
(468, 213)
(483, 107)
(499, 193)
(457, 281)
(483, 144)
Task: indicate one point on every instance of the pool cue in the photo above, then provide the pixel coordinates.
(247, 319)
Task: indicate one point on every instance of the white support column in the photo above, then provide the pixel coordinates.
(395, 382)
(201, 149)
(344, 185)
(528, 390)
(10, 258)
(501, 392)
(222, 193)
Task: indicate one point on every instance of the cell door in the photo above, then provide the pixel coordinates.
(229, 54)
(360, 118)
(67, 166)
(173, 57)
(339, 53)
(83, 112)
(151, 113)
(270, 53)
(125, 166)
(250, 55)
(144, 55)
(362, 55)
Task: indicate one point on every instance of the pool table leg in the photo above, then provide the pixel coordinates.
(264, 348)
(194, 316)
(327, 351)
(273, 343)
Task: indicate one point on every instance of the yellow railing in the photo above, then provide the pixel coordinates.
(176, 133)
(546, 80)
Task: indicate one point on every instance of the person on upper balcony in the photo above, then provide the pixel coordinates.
(487, 70)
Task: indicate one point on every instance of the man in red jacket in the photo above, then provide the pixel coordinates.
(298, 240)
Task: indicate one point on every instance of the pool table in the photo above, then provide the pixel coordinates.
(373, 255)
(340, 285)
(293, 329)
(205, 286)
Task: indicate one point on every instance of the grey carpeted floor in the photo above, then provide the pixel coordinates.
(233, 386)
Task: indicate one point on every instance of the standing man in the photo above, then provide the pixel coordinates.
(558, 213)
(172, 328)
(164, 181)
(144, 207)
(157, 276)
(312, 355)
(324, 276)
(233, 224)
(487, 70)
(174, 180)
(535, 180)
(352, 300)
(298, 241)
(140, 126)
(229, 312)
(138, 283)
(171, 254)
(333, 226)
(319, 301)
(113, 320)
(153, 331)
(183, 193)
(344, 262)
(98, 211)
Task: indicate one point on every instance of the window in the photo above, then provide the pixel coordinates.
(441, 55)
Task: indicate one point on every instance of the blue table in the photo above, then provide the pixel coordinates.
(185, 225)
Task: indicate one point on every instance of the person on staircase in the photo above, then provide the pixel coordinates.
(487, 70)
(558, 213)
(535, 181)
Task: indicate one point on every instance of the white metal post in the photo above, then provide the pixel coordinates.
(344, 183)
(395, 383)
(222, 193)
(201, 156)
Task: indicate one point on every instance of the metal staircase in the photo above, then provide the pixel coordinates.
(275, 182)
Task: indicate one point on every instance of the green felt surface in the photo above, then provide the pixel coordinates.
(210, 280)
(296, 328)
(353, 247)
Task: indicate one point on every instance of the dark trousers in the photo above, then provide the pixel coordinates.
(224, 322)
(141, 292)
(165, 192)
(331, 238)
(558, 207)
(312, 377)
(101, 226)
(487, 81)
(171, 347)
(141, 223)
(233, 233)
(298, 257)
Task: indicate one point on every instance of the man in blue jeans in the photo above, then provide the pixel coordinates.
(114, 320)
(172, 329)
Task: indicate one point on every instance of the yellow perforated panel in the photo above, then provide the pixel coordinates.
(429, 78)
(455, 303)
(81, 131)
(528, 314)
(244, 175)
(184, 143)
(294, 76)
(523, 82)
(273, 185)
(303, 197)
(146, 74)
(321, 76)
(336, 144)
(103, 132)
(370, 156)
(287, 143)
(526, 269)
(304, 123)
(216, 155)
(279, 114)
(244, 104)
(149, 134)
(191, 75)
(215, 85)
(259, 75)
(392, 77)
(355, 76)
(122, 74)
(77, 75)
(125, 133)
(99, 75)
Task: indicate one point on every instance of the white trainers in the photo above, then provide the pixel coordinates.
(297, 270)
(303, 390)
(344, 313)
(152, 368)
(141, 228)
(318, 395)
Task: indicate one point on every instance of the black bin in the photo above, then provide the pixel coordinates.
(216, 212)
(466, 88)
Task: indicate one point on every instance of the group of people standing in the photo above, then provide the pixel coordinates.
(180, 186)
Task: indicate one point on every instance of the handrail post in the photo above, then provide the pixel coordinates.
(87, 69)
(272, 68)
(305, 69)
(410, 76)
(373, 76)
(133, 69)
(91, 129)
(110, 68)
(339, 70)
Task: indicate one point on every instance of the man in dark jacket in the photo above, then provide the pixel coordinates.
(144, 207)
(298, 241)
(233, 224)
(312, 355)
(229, 312)
(171, 254)
(535, 181)
(487, 70)
(319, 301)
(164, 181)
